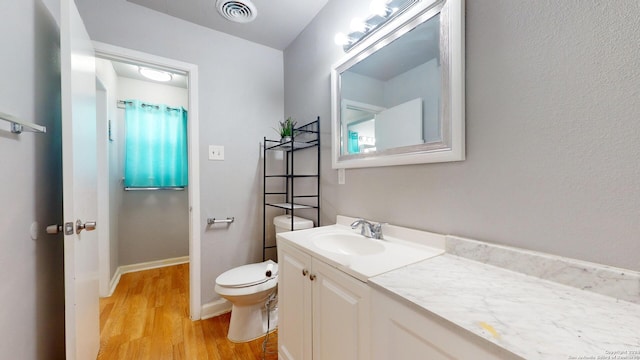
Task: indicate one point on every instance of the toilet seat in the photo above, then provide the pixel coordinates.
(247, 275)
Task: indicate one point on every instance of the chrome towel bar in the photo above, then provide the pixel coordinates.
(229, 220)
(18, 126)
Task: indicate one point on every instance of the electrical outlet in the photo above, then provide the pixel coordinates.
(341, 177)
(216, 152)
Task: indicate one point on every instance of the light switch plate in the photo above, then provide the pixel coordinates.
(341, 177)
(216, 152)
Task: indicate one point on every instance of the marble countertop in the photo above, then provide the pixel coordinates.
(528, 316)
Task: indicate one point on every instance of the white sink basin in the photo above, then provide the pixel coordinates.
(347, 244)
(361, 257)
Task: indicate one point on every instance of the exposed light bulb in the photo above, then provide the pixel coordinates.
(341, 39)
(154, 74)
(358, 25)
(379, 7)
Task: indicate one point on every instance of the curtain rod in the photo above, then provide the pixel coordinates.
(123, 102)
(176, 188)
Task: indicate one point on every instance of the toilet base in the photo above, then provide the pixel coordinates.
(250, 322)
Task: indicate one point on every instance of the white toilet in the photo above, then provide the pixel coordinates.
(248, 287)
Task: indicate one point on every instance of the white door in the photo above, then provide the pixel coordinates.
(82, 329)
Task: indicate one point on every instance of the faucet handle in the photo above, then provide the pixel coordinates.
(376, 230)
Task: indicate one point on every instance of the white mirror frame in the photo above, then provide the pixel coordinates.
(452, 115)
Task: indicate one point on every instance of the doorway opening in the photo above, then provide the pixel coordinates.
(155, 223)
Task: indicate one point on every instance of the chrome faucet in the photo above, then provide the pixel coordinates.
(370, 230)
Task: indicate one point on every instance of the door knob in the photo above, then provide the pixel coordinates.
(89, 226)
(67, 228)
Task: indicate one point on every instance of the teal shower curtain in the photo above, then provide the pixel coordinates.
(353, 147)
(155, 146)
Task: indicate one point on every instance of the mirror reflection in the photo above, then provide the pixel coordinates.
(391, 99)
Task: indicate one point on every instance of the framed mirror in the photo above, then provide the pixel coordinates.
(397, 97)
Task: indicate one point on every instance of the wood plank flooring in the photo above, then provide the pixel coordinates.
(147, 317)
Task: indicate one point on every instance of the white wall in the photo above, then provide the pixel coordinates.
(241, 99)
(153, 225)
(31, 281)
(109, 251)
(552, 131)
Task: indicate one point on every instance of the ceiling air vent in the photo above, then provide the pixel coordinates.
(237, 11)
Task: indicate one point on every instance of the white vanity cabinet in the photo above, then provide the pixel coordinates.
(294, 304)
(323, 313)
(400, 331)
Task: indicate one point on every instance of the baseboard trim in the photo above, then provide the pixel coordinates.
(215, 308)
(143, 266)
(114, 282)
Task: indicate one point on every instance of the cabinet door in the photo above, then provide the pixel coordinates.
(340, 315)
(294, 304)
(399, 331)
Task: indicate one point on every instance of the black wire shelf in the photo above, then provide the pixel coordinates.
(304, 137)
(292, 206)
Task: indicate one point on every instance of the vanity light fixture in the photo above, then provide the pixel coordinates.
(380, 8)
(359, 25)
(343, 39)
(381, 12)
(154, 74)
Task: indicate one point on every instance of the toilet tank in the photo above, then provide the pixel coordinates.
(283, 223)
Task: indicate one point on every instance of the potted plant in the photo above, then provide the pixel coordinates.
(286, 129)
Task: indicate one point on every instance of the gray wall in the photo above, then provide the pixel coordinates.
(31, 283)
(552, 131)
(241, 99)
(153, 225)
(398, 90)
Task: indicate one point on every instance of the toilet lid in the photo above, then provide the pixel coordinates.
(247, 275)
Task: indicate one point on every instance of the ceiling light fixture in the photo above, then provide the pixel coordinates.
(154, 74)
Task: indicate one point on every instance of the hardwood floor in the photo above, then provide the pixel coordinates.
(147, 317)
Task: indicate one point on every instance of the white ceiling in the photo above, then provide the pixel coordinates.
(278, 22)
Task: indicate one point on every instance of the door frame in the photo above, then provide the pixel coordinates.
(112, 52)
